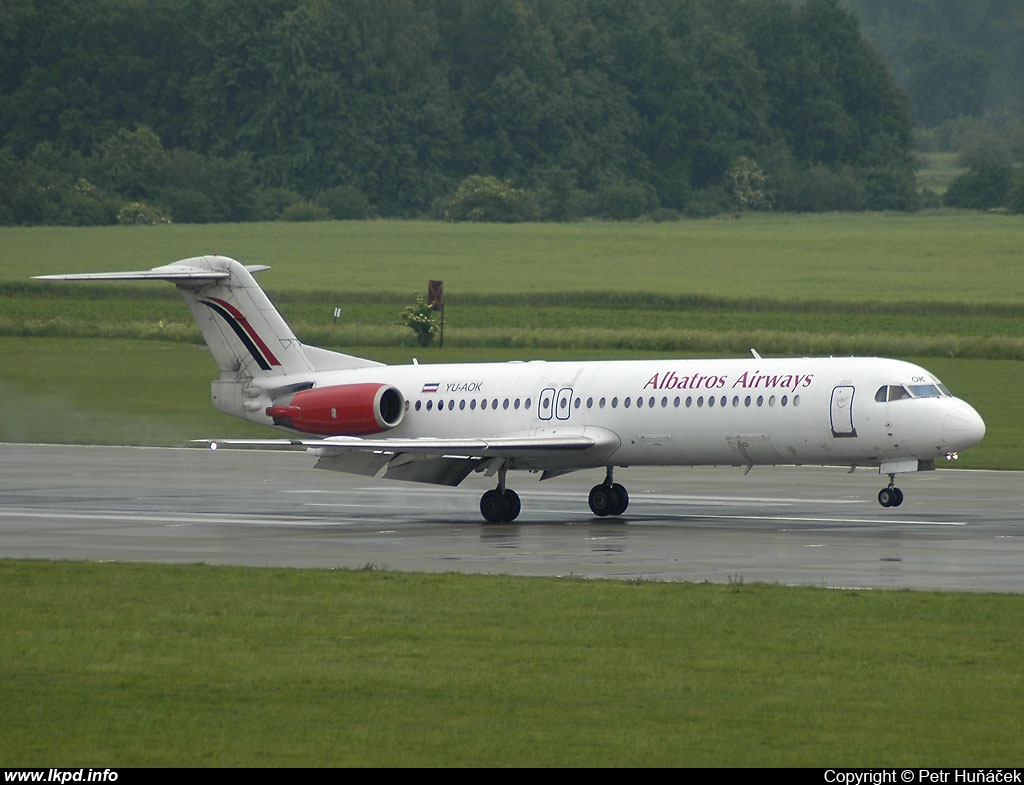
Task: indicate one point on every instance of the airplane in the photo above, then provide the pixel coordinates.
(438, 423)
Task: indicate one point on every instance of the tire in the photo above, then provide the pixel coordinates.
(601, 501)
(498, 507)
(621, 499)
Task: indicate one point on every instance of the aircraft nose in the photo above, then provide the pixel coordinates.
(963, 427)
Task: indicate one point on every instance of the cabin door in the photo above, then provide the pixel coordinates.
(842, 412)
(552, 404)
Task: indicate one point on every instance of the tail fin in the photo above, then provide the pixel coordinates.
(245, 332)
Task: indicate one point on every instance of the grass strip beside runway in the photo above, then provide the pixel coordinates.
(143, 665)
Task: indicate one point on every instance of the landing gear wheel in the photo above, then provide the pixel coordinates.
(890, 497)
(500, 506)
(608, 500)
(622, 497)
(515, 506)
(601, 500)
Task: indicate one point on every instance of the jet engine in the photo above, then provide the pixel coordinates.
(342, 410)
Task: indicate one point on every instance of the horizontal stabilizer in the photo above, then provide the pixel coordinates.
(170, 272)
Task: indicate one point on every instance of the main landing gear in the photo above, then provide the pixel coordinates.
(608, 498)
(502, 505)
(890, 496)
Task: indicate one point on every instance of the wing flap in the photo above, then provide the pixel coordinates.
(437, 470)
(506, 446)
(448, 461)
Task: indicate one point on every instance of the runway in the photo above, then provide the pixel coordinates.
(957, 530)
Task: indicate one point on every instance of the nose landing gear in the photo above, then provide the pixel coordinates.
(890, 496)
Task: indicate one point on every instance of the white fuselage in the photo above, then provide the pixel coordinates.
(689, 412)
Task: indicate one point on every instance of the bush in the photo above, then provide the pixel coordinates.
(140, 213)
(818, 190)
(345, 203)
(422, 320)
(707, 203)
(1015, 194)
(984, 187)
(191, 207)
(270, 203)
(488, 199)
(622, 201)
(305, 211)
(557, 195)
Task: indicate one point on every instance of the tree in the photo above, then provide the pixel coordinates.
(946, 81)
(224, 110)
(131, 163)
(747, 185)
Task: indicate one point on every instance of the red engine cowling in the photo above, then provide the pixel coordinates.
(342, 410)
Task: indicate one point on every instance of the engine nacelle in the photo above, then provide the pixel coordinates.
(342, 410)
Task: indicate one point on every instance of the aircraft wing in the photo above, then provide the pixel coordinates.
(450, 461)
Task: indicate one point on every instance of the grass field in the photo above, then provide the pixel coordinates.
(131, 665)
(950, 258)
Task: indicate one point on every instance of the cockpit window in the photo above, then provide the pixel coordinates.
(925, 391)
(897, 392)
(892, 392)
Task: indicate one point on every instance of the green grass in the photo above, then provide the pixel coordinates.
(948, 284)
(125, 665)
(943, 257)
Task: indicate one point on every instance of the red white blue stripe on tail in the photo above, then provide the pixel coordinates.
(246, 333)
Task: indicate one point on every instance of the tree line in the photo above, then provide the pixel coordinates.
(961, 63)
(955, 58)
(239, 110)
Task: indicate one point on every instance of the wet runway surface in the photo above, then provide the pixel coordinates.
(957, 530)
